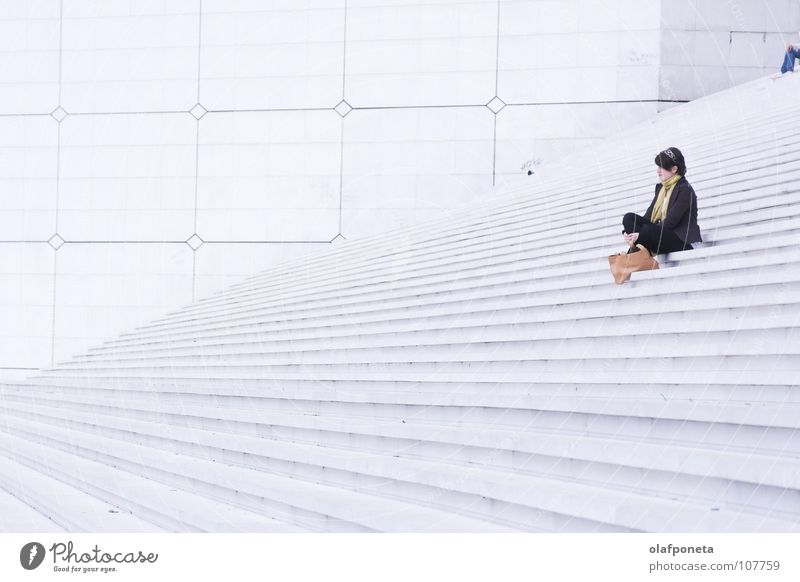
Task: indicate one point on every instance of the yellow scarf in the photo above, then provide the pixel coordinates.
(659, 212)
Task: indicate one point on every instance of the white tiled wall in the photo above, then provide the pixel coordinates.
(554, 52)
(118, 56)
(104, 289)
(28, 184)
(709, 45)
(269, 176)
(431, 53)
(127, 177)
(26, 306)
(29, 56)
(403, 165)
(222, 264)
(528, 136)
(272, 54)
(168, 148)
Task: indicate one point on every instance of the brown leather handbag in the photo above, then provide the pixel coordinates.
(622, 265)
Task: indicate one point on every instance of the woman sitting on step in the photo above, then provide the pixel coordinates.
(670, 223)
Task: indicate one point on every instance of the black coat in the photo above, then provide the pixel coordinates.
(681, 213)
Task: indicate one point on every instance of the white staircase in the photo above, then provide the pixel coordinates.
(482, 373)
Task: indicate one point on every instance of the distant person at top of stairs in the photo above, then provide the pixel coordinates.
(670, 223)
(792, 53)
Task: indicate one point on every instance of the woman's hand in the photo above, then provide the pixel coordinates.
(631, 238)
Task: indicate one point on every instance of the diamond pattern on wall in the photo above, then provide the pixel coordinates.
(56, 241)
(195, 242)
(343, 108)
(59, 114)
(496, 105)
(198, 111)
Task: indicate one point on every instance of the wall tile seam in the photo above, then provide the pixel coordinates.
(354, 107)
(167, 242)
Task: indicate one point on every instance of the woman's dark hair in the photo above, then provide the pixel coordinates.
(671, 157)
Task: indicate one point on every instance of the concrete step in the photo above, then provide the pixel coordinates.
(236, 389)
(777, 347)
(305, 411)
(484, 326)
(487, 495)
(476, 295)
(409, 472)
(79, 493)
(17, 516)
(592, 502)
(61, 507)
(713, 323)
(731, 370)
(260, 327)
(777, 367)
(462, 401)
(769, 332)
(312, 506)
(777, 467)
